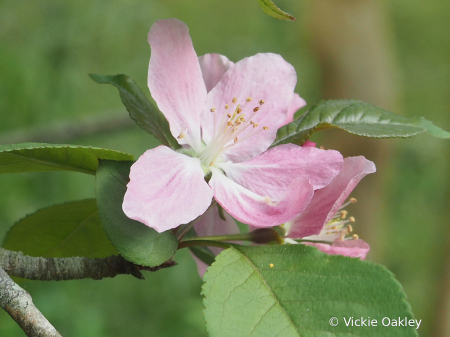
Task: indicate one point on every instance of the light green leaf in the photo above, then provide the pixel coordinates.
(269, 8)
(65, 230)
(356, 117)
(294, 290)
(135, 242)
(32, 157)
(141, 110)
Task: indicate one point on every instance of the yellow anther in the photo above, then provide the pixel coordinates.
(344, 214)
(229, 115)
(351, 219)
(226, 106)
(255, 125)
(239, 110)
(353, 200)
(242, 119)
(265, 128)
(181, 135)
(249, 99)
(322, 148)
(261, 102)
(355, 236)
(230, 124)
(271, 265)
(235, 129)
(234, 100)
(252, 122)
(238, 122)
(235, 140)
(256, 109)
(350, 228)
(268, 200)
(213, 109)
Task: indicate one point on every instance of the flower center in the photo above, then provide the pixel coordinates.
(231, 128)
(337, 228)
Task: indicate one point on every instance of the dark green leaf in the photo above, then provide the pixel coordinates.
(269, 8)
(32, 157)
(356, 117)
(135, 242)
(294, 290)
(65, 230)
(141, 110)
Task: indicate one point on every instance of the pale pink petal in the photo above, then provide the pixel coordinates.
(258, 210)
(175, 79)
(296, 104)
(351, 248)
(166, 189)
(210, 224)
(273, 171)
(213, 67)
(327, 201)
(265, 77)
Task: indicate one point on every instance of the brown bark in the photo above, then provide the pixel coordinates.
(351, 41)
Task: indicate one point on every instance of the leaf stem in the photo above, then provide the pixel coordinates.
(202, 242)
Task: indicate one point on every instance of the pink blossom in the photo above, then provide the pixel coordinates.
(225, 115)
(323, 221)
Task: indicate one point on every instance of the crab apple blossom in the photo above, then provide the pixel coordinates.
(225, 115)
(324, 219)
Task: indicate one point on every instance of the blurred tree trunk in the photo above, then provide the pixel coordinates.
(352, 42)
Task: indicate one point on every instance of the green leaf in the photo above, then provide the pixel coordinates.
(269, 8)
(356, 117)
(65, 230)
(141, 110)
(135, 242)
(294, 290)
(32, 157)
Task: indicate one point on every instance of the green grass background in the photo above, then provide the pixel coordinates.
(47, 48)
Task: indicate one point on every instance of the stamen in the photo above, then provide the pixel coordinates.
(239, 110)
(242, 119)
(351, 219)
(353, 200)
(234, 100)
(256, 109)
(344, 214)
(213, 109)
(181, 135)
(255, 125)
(261, 102)
(252, 122)
(230, 124)
(236, 140)
(322, 148)
(226, 106)
(265, 128)
(355, 236)
(229, 115)
(350, 228)
(249, 99)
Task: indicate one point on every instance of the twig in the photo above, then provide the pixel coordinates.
(19, 305)
(74, 268)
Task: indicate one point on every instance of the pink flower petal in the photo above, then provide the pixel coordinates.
(258, 210)
(175, 79)
(296, 104)
(265, 77)
(351, 248)
(327, 201)
(166, 189)
(210, 224)
(273, 171)
(309, 143)
(213, 67)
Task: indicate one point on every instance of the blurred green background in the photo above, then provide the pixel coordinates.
(394, 54)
